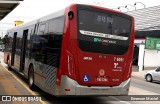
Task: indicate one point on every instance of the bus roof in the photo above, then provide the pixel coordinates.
(57, 14)
(47, 17)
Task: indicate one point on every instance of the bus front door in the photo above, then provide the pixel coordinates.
(13, 48)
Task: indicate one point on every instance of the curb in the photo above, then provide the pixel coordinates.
(138, 74)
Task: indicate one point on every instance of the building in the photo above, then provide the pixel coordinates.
(147, 24)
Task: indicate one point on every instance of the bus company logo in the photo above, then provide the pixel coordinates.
(104, 41)
(101, 72)
(96, 40)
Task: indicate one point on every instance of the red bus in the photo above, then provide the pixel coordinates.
(81, 50)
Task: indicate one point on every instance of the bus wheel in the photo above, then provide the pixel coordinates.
(31, 78)
(9, 68)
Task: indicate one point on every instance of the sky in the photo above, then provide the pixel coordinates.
(29, 10)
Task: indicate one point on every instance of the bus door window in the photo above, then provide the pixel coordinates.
(18, 46)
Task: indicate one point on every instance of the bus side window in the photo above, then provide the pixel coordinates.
(54, 41)
(39, 47)
(53, 49)
(56, 27)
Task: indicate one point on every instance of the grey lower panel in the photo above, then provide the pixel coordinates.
(76, 89)
(50, 80)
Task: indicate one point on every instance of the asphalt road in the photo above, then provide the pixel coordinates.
(143, 84)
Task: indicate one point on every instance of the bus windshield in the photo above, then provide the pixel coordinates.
(106, 33)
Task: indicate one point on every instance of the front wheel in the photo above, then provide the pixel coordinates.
(148, 78)
(9, 68)
(31, 78)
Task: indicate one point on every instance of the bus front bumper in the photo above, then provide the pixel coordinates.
(71, 87)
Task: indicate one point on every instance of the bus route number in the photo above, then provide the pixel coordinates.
(118, 59)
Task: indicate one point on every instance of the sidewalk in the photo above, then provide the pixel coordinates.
(140, 74)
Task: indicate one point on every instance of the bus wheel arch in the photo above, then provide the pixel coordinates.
(31, 77)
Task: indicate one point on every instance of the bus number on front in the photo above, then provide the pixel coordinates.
(118, 59)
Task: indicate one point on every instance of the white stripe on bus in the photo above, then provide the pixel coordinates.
(90, 33)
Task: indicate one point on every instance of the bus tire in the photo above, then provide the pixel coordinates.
(31, 78)
(9, 68)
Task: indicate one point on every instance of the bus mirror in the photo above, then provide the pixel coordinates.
(70, 15)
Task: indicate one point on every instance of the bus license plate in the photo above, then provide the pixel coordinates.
(101, 79)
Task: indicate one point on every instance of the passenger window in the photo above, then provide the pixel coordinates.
(47, 49)
(42, 28)
(47, 42)
(56, 25)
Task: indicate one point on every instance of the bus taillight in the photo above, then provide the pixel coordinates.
(71, 67)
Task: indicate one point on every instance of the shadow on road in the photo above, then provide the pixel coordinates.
(156, 82)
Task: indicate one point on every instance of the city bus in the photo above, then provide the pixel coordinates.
(81, 50)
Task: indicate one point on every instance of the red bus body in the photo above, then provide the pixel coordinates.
(79, 72)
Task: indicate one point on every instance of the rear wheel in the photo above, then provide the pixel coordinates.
(149, 78)
(31, 78)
